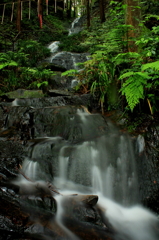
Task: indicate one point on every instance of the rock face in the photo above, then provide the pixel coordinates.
(148, 167)
(69, 60)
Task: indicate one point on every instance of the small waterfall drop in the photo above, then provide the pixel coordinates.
(54, 46)
(31, 168)
(59, 219)
(133, 223)
(67, 60)
(75, 27)
(100, 161)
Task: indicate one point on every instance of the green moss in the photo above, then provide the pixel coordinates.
(22, 93)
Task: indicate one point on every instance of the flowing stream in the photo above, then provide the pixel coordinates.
(103, 162)
(90, 155)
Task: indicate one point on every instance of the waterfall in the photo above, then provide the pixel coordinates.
(59, 219)
(67, 60)
(134, 223)
(75, 26)
(54, 46)
(101, 161)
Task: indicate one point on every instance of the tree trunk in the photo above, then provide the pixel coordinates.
(40, 12)
(133, 17)
(88, 14)
(74, 13)
(19, 16)
(69, 11)
(102, 12)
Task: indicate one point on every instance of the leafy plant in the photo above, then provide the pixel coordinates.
(73, 43)
(34, 50)
(42, 84)
(141, 85)
(71, 72)
(133, 87)
(15, 73)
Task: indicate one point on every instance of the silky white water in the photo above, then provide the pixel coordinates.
(105, 165)
(59, 218)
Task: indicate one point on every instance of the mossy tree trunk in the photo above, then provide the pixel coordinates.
(133, 18)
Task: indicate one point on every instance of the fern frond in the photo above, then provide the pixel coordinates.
(152, 16)
(70, 72)
(153, 65)
(141, 74)
(133, 89)
(125, 75)
(11, 64)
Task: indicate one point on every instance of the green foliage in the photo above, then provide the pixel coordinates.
(150, 7)
(18, 69)
(8, 64)
(73, 43)
(105, 42)
(152, 65)
(141, 85)
(42, 84)
(138, 72)
(133, 87)
(109, 36)
(98, 78)
(71, 72)
(35, 51)
(149, 43)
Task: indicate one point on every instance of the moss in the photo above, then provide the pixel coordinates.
(22, 93)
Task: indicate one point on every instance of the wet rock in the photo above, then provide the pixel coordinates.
(59, 82)
(9, 230)
(69, 60)
(23, 93)
(69, 99)
(2, 117)
(22, 213)
(55, 67)
(87, 199)
(55, 93)
(148, 167)
(79, 210)
(11, 156)
(53, 121)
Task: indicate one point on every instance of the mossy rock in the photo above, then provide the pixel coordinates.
(22, 93)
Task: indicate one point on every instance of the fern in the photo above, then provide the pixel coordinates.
(45, 83)
(127, 57)
(153, 65)
(133, 88)
(70, 72)
(8, 64)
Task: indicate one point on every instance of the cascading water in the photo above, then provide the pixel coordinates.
(99, 160)
(67, 60)
(75, 26)
(54, 46)
(80, 156)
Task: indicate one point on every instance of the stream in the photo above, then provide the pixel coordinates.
(94, 167)
(101, 161)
